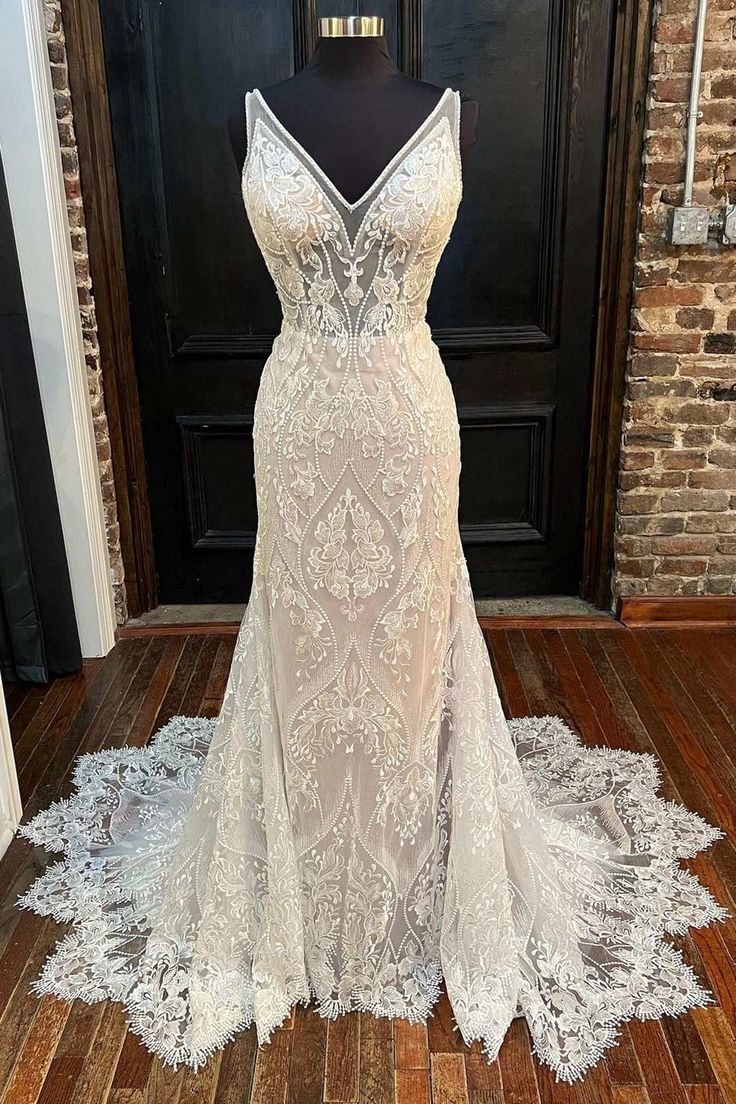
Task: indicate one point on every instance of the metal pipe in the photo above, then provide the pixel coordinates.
(693, 110)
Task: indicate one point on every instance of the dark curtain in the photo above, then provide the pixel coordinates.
(38, 631)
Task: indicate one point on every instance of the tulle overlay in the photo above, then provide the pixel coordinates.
(361, 821)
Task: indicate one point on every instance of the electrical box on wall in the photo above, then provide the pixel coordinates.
(729, 225)
(688, 226)
(691, 225)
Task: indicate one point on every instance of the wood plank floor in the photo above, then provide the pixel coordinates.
(673, 693)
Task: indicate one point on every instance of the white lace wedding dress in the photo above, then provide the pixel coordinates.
(361, 821)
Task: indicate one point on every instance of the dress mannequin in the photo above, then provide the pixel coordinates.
(352, 110)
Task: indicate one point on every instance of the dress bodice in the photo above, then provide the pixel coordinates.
(351, 272)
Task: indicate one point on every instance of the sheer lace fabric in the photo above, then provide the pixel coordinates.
(361, 821)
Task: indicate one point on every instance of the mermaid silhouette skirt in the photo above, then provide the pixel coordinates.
(361, 821)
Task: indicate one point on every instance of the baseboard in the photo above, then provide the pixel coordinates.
(550, 621)
(704, 611)
(180, 628)
(230, 628)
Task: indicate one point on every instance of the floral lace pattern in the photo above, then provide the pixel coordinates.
(361, 821)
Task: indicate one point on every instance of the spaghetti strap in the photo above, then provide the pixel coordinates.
(248, 126)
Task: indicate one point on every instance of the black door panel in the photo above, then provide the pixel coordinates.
(512, 308)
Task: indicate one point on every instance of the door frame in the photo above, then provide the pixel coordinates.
(623, 180)
(88, 86)
(625, 132)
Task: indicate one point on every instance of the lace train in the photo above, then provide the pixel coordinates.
(123, 821)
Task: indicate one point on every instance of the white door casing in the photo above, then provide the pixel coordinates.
(32, 164)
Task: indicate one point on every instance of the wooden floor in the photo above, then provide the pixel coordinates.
(655, 690)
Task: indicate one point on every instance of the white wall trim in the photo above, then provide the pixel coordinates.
(32, 163)
(10, 803)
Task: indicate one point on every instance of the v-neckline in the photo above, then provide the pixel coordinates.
(378, 182)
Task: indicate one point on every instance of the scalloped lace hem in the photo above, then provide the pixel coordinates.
(92, 890)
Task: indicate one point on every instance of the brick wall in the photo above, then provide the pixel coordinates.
(70, 164)
(676, 526)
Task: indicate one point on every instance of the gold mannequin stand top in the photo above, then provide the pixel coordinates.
(351, 26)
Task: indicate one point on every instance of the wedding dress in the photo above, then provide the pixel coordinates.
(361, 821)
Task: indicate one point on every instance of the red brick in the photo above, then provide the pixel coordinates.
(719, 113)
(683, 567)
(714, 479)
(683, 459)
(70, 160)
(702, 523)
(721, 565)
(697, 436)
(709, 369)
(720, 343)
(637, 503)
(661, 388)
(719, 269)
(71, 186)
(678, 61)
(636, 568)
(652, 247)
(653, 364)
(686, 295)
(664, 172)
(673, 29)
(694, 318)
(652, 275)
(719, 26)
(717, 56)
(671, 90)
(636, 460)
(714, 140)
(668, 343)
(722, 457)
(704, 413)
(57, 53)
(676, 7)
(647, 435)
(719, 584)
(665, 147)
(690, 501)
(59, 77)
(633, 546)
(659, 524)
(66, 132)
(62, 104)
(667, 117)
(661, 480)
(684, 545)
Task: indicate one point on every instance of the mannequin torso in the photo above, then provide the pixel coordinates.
(352, 110)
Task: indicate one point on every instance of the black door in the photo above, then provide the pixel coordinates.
(512, 308)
